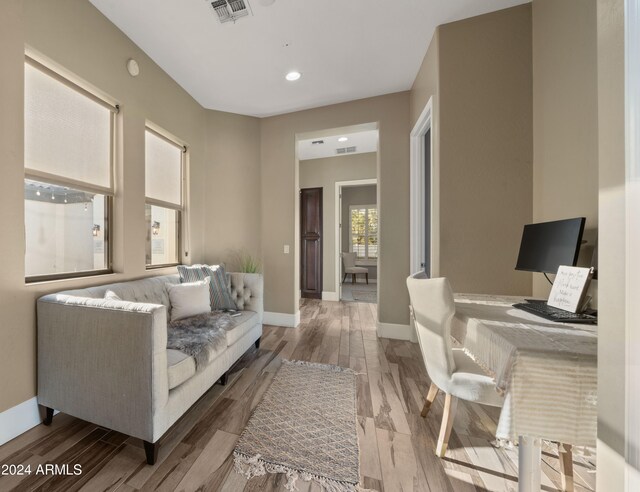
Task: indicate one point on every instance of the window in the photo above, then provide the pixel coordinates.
(363, 227)
(68, 186)
(164, 162)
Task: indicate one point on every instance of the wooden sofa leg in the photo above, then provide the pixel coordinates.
(431, 396)
(151, 452)
(224, 378)
(258, 343)
(49, 416)
(366, 277)
(344, 278)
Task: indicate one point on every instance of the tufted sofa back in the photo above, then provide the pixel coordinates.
(246, 290)
(152, 290)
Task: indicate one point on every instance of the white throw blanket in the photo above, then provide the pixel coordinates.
(547, 371)
(199, 336)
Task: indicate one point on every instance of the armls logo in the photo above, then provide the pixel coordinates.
(51, 469)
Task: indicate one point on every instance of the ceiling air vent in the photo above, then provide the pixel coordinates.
(346, 150)
(230, 10)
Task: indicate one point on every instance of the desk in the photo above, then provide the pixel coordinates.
(547, 371)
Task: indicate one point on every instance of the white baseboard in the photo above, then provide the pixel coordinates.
(330, 296)
(397, 332)
(19, 419)
(281, 319)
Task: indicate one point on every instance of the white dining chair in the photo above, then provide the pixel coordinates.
(450, 369)
(349, 263)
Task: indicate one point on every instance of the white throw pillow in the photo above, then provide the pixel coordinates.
(189, 299)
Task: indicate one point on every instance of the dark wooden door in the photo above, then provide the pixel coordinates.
(311, 243)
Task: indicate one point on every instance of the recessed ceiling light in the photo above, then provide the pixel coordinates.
(291, 76)
(343, 139)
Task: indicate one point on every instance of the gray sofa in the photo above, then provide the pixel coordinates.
(107, 362)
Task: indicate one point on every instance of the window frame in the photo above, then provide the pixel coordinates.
(366, 258)
(179, 209)
(54, 179)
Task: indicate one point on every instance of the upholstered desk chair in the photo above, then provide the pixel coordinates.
(450, 369)
(349, 262)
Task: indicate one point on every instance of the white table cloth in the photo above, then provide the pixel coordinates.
(547, 370)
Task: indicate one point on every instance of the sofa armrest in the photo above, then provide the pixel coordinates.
(103, 361)
(247, 291)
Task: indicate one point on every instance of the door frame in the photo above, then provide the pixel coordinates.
(338, 226)
(417, 195)
(632, 226)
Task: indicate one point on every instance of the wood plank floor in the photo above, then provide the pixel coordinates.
(396, 444)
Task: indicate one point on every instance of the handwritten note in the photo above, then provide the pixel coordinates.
(569, 288)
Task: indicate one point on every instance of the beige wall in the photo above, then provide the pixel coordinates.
(323, 173)
(75, 36)
(17, 352)
(479, 73)
(425, 86)
(280, 205)
(565, 119)
(611, 249)
(232, 188)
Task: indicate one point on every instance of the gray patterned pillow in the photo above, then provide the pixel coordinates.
(219, 292)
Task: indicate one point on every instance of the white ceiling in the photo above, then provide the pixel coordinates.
(345, 49)
(366, 141)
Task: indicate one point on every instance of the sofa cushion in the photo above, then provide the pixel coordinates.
(219, 287)
(244, 323)
(180, 367)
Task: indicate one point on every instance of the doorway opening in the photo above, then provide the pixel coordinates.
(357, 240)
(424, 211)
(338, 163)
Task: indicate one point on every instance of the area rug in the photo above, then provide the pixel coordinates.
(364, 295)
(305, 427)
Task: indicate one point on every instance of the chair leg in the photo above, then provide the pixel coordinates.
(344, 278)
(431, 396)
(450, 404)
(366, 277)
(353, 278)
(566, 467)
(151, 452)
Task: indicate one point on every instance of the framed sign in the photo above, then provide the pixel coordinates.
(570, 287)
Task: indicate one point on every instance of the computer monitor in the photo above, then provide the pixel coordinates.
(547, 245)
